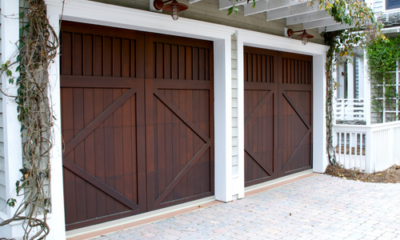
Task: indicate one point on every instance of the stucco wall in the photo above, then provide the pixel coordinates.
(207, 10)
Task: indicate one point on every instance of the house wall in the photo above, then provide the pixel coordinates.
(207, 11)
(229, 79)
(378, 5)
(235, 123)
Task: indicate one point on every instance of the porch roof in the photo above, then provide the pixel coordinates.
(293, 11)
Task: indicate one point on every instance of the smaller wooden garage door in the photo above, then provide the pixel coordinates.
(278, 114)
(137, 122)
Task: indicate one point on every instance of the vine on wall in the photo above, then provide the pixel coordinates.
(37, 48)
(383, 55)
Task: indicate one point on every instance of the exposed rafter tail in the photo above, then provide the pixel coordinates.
(336, 27)
(225, 4)
(319, 23)
(263, 6)
(307, 17)
(294, 10)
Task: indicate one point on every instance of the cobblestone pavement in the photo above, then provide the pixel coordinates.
(318, 207)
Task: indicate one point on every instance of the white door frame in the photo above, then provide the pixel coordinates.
(277, 43)
(114, 16)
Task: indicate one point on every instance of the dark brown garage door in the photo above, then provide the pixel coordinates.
(278, 114)
(137, 122)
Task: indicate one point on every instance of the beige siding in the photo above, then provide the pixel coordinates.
(235, 167)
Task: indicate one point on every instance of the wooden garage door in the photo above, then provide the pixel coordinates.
(137, 122)
(278, 114)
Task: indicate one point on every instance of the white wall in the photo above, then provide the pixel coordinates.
(235, 165)
(11, 126)
(237, 121)
(2, 169)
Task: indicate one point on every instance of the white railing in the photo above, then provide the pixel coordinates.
(349, 109)
(368, 148)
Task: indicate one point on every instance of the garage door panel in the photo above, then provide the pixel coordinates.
(301, 100)
(103, 152)
(298, 157)
(254, 172)
(259, 134)
(137, 121)
(181, 103)
(174, 61)
(296, 71)
(278, 125)
(292, 130)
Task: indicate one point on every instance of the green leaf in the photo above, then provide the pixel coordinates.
(11, 81)
(11, 202)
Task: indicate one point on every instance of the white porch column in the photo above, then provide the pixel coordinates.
(367, 91)
(350, 81)
(12, 127)
(223, 119)
(320, 159)
(57, 219)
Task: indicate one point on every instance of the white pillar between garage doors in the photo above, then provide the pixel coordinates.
(320, 158)
(223, 119)
(57, 220)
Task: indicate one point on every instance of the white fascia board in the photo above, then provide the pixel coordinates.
(291, 11)
(85, 11)
(307, 17)
(194, 1)
(320, 23)
(225, 4)
(336, 27)
(263, 6)
(278, 43)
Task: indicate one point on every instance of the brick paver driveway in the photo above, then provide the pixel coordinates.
(318, 207)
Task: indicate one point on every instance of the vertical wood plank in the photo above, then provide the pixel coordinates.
(189, 63)
(66, 53)
(90, 162)
(98, 56)
(109, 150)
(77, 52)
(88, 55)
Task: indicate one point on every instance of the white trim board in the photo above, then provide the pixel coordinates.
(278, 180)
(138, 217)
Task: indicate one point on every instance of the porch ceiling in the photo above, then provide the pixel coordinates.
(294, 11)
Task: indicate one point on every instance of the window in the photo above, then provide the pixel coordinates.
(392, 4)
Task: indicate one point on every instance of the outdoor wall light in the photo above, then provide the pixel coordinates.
(304, 36)
(174, 7)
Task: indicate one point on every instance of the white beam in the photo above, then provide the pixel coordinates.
(225, 4)
(307, 17)
(291, 11)
(268, 5)
(336, 27)
(319, 23)
(194, 1)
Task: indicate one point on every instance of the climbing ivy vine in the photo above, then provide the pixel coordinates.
(383, 55)
(37, 47)
(341, 47)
